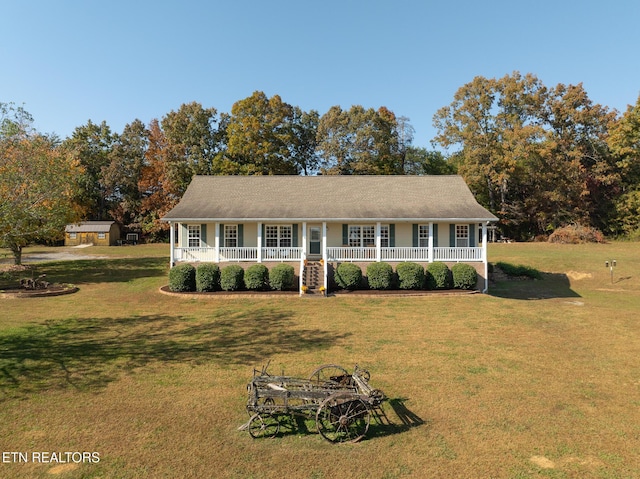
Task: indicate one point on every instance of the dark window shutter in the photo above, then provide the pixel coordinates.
(392, 236)
(452, 235)
(472, 235)
(435, 235)
(294, 236)
(221, 235)
(203, 235)
(264, 230)
(345, 235)
(240, 236)
(415, 240)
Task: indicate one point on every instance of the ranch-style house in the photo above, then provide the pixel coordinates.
(317, 222)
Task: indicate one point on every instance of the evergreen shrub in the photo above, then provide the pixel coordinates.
(182, 278)
(410, 275)
(232, 278)
(281, 277)
(464, 276)
(256, 277)
(348, 276)
(438, 276)
(380, 275)
(207, 277)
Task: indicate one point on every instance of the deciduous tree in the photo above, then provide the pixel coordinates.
(38, 179)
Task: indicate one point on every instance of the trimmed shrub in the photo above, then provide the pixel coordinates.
(410, 276)
(380, 275)
(207, 277)
(464, 276)
(256, 277)
(182, 278)
(348, 276)
(281, 277)
(438, 276)
(231, 278)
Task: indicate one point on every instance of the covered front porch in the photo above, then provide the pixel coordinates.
(331, 242)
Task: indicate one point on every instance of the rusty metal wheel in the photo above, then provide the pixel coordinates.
(343, 418)
(263, 425)
(331, 376)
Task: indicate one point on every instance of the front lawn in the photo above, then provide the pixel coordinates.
(540, 378)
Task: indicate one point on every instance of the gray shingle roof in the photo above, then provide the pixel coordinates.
(328, 198)
(90, 227)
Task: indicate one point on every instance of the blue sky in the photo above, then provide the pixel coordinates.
(70, 61)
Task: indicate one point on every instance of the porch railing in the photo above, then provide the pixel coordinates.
(342, 253)
(457, 254)
(281, 254)
(404, 254)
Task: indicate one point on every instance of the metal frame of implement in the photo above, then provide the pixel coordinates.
(341, 403)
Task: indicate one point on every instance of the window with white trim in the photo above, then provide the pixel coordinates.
(423, 236)
(102, 235)
(462, 236)
(193, 236)
(231, 236)
(362, 235)
(384, 236)
(278, 236)
(73, 235)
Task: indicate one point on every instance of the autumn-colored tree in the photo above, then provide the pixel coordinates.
(158, 191)
(537, 157)
(624, 143)
(38, 179)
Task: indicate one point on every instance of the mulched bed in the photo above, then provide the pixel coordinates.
(339, 293)
(52, 290)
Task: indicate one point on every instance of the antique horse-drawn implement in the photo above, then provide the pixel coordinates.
(341, 403)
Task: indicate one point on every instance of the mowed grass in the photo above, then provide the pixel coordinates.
(535, 379)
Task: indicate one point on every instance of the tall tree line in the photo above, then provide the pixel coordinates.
(538, 157)
(541, 157)
(136, 176)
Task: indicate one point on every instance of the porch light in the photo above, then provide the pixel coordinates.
(610, 264)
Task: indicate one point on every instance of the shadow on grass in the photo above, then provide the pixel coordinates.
(379, 426)
(102, 270)
(87, 353)
(552, 285)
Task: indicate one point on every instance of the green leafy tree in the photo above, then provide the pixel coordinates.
(122, 175)
(359, 142)
(193, 138)
(420, 161)
(38, 179)
(91, 146)
(260, 136)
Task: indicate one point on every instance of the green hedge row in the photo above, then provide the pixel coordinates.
(209, 277)
(408, 275)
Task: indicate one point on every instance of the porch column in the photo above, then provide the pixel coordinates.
(216, 244)
(378, 242)
(172, 242)
(484, 257)
(430, 259)
(303, 256)
(325, 267)
(259, 257)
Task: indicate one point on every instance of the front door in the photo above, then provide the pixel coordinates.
(315, 240)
